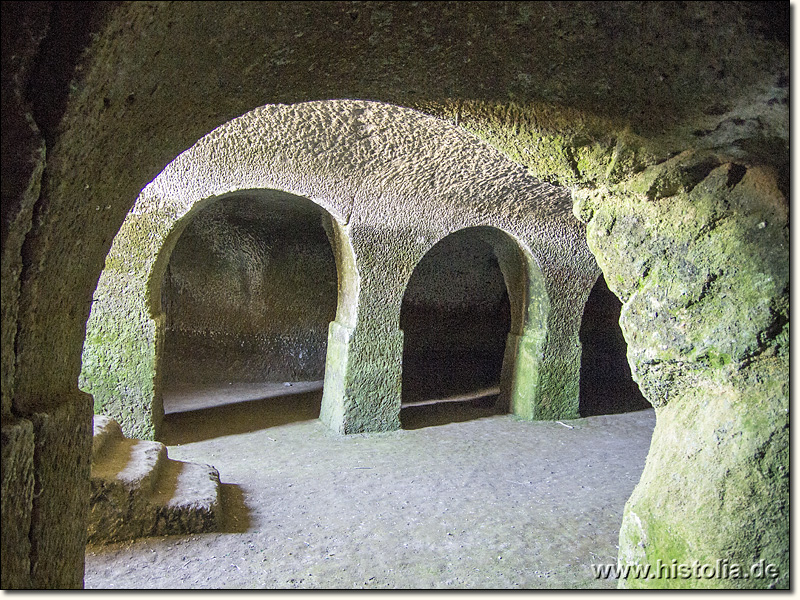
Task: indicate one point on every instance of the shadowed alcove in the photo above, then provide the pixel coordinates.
(231, 292)
(248, 294)
(455, 319)
(665, 127)
(606, 383)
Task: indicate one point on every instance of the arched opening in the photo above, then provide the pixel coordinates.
(331, 480)
(247, 296)
(606, 385)
(455, 317)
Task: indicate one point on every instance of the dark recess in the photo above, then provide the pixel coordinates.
(606, 384)
(453, 348)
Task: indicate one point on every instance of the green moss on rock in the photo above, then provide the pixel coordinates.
(698, 251)
(716, 483)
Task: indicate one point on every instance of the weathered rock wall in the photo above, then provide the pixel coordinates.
(44, 471)
(698, 251)
(587, 95)
(23, 160)
(249, 293)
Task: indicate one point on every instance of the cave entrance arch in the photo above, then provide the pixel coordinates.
(462, 316)
(247, 297)
(606, 384)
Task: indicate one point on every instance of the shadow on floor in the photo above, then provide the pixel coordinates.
(432, 414)
(243, 417)
(187, 397)
(235, 516)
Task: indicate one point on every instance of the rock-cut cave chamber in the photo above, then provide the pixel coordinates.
(521, 188)
(260, 286)
(258, 295)
(248, 294)
(251, 287)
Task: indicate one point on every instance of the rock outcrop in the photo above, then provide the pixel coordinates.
(697, 249)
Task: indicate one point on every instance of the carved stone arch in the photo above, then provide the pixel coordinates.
(393, 181)
(131, 317)
(529, 305)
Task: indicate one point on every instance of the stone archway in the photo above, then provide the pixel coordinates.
(455, 320)
(247, 296)
(123, 359)
(387, 209)
(469, 302)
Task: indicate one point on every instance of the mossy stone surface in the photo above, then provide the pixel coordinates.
(716, 483)
(698, 250)
(586, 94)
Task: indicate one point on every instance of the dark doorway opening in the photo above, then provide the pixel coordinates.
(606, 385)
(455, 318)
(248, 294)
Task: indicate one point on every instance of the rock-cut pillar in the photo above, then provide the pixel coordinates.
(364, 366)
(363, 376)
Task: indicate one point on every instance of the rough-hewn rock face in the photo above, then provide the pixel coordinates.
(698, 251)
(248, 295)
(62, 456)
(586, 95)
(17, 494)
(138, 491)
(23, 159)
(44, 469)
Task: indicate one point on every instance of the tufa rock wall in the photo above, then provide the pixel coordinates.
(697, 250)
(388, 208)
(249, 292)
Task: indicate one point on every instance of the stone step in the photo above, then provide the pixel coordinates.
(187, 497)
(123, 479)
(107, 433)
(132, 464)
(138, 491)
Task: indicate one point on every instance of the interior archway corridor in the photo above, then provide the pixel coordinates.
(455, 319)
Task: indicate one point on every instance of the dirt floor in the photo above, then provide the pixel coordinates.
(460, 498)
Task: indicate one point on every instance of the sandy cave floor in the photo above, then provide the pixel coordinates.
(493, 502)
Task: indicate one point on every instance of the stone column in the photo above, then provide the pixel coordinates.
(364, 365)
(363, 375)
(519, 379)
(698, 251)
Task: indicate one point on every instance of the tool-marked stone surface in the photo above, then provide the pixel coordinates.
(106, 434)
